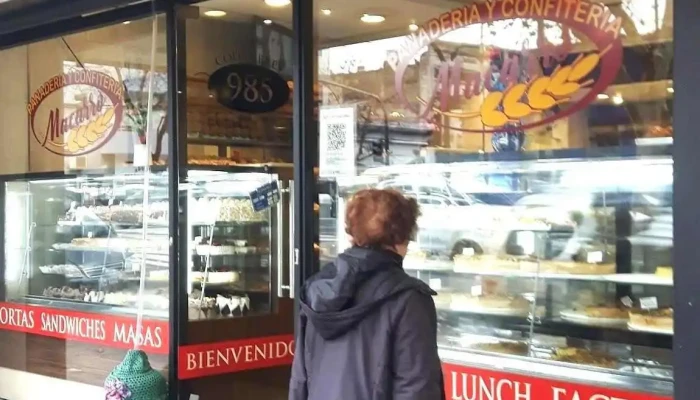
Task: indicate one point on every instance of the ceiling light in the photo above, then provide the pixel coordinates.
(617, 99)
(267, 21)
(413, 27)
(126, 22)
(278, 3)
(326, 11)
(670, 89)
(602, 96)
(372, 18)
(215, 13)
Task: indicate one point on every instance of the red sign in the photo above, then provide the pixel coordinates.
(69, 130)
(239, 355)
(466, 383)
(102, 329)
(518, 94)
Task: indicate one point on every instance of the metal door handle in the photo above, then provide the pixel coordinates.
(280, 243)
(293, 252)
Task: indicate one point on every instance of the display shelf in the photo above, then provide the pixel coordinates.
(628, 279)
(100, 308)
(558, 327)
(211, 141)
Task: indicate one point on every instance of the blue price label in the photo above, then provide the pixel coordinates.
(265, 196)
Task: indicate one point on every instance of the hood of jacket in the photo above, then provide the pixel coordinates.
(345, 291)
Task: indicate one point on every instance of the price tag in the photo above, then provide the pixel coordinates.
(627, 302)
(477, 290)
(435, 284)
(648, 303)
(135, 266)
(468, 251)
(594, 257)
(265, 196)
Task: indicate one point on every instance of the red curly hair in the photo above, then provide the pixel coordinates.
(381, 218)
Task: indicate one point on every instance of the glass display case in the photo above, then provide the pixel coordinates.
(572, 273)
(85, 243)
(236, 239)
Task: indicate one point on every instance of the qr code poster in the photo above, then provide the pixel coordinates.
(337, 141)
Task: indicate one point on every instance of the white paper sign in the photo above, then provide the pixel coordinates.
(627, 301)
(594, 257)
(648, 303)
(141, 155)
(337, 141)
(477, 290)
(468, 251)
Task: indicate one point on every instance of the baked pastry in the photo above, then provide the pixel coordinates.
(514, 348)
(481, 262)
(495, 302)
(568, 267)
(582, 356)
(606, 312)
(660, 319)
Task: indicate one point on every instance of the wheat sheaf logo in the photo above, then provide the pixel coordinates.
(79, 120)
(518, 89)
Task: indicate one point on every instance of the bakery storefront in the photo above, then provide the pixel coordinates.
(172, 172)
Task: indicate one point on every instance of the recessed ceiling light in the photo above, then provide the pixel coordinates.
(215, 13)
(602, 96)
(278, 3)
(126, 22)
(617, 99)
(413, 27)
(326, 11)
(267, 21)
(372, 18)
(670, 89)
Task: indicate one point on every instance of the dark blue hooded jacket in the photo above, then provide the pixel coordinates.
(367, 331)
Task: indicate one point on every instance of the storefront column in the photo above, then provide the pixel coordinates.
(686, 199)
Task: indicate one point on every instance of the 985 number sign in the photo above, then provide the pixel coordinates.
(249, 88)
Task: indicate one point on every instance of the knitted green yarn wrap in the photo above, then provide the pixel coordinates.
(142, 382)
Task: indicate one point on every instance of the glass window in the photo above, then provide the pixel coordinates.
(85, 215)
(553, 124)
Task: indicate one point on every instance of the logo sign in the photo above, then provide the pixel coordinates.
(100, 329)
(217, 358)
(520, 89)
(249, 88)
(81, 129)
(467, 383)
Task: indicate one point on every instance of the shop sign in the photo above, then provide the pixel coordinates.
(519, 93)
(249, 88)
(76, 130)
(466, 383)
(218, 358)
(101, 329)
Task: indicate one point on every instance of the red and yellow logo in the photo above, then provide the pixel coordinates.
(513, 99)
(93, 118)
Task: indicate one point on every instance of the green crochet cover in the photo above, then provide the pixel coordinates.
(136, 373)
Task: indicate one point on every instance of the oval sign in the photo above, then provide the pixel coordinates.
(507, 110)
(75, 131)
(249, 88)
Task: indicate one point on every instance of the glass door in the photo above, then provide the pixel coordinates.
(238, 200)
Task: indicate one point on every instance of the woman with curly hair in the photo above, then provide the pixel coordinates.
(367, 330)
